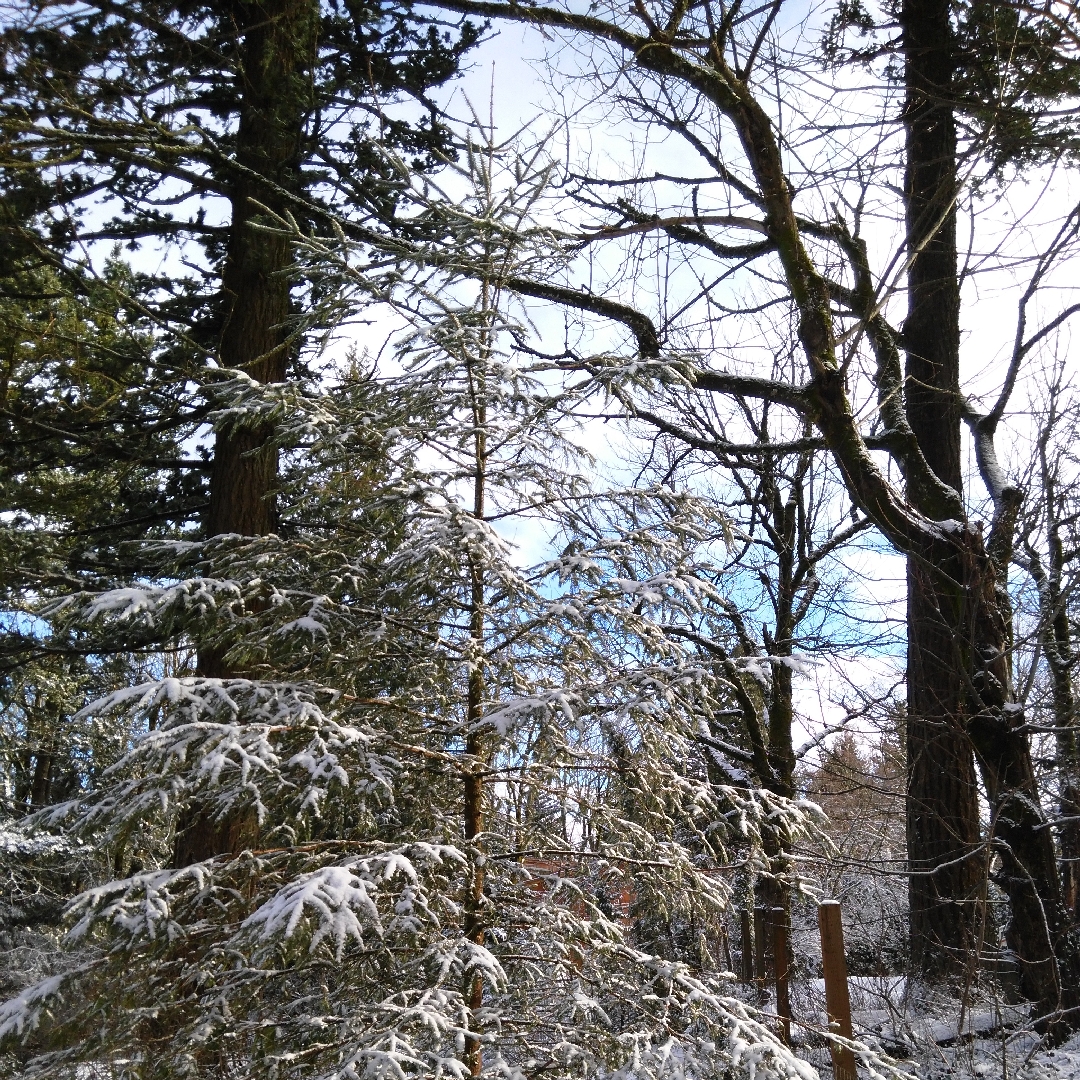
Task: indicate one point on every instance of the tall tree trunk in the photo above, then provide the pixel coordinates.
(1056, 638)
(1039, 930)
(279, 39)
(255, 282)
(277, 44)
(41, 785)
(942, 808)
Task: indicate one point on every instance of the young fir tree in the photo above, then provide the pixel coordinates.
(424, 738)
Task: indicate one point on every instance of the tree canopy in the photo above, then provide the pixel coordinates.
(419, 539)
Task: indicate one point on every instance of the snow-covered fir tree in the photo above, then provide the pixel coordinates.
(441, 763)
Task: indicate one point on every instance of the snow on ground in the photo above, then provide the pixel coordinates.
(935, 1033)
(1060, 1064)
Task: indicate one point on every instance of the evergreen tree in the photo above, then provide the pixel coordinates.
(423, 740)
(172, 127)
(184, 130)
(91, 461)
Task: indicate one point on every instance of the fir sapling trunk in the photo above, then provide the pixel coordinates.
(475, 768)
(474, 900)
(277, 45)
(942, 807)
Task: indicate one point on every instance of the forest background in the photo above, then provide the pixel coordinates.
(420, 531)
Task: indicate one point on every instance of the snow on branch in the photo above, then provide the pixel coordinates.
(341, 901)
(240, 742)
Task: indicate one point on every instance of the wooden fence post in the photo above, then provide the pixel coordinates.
(837, 1001)
(747, 948)
(780, 961)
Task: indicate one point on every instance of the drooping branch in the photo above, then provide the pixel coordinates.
(639, 324)
(725, 449)
(648, 342)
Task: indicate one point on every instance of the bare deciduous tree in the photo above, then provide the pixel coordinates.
(685, 64)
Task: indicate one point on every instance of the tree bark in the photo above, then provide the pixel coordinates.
(278, 50)
(473, 821)
(942, 807)
(41, 785)
(773, 892)
(277, 44)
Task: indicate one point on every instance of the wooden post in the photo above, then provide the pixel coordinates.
(780, 962)
(761, 935)
(837, 1001)
(747, 948)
